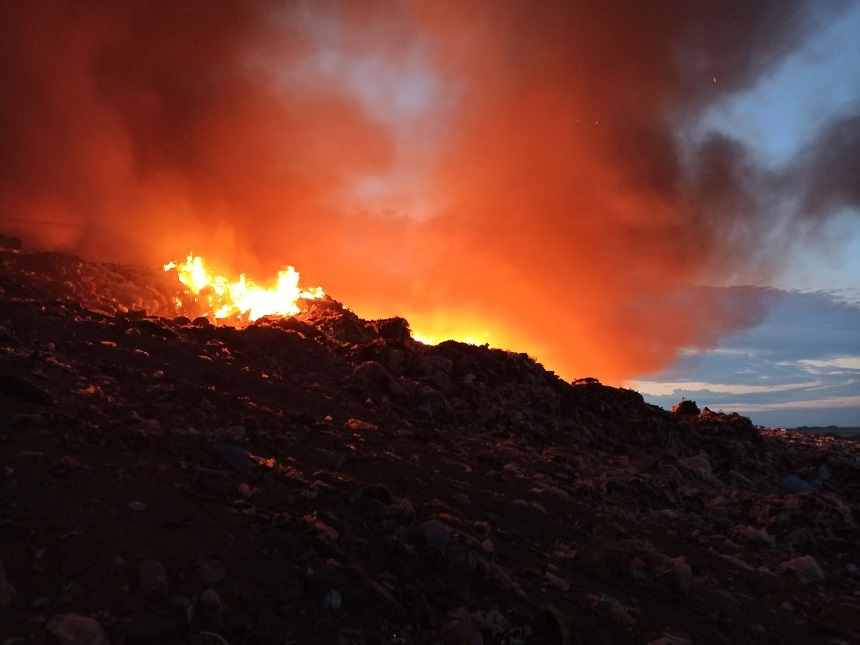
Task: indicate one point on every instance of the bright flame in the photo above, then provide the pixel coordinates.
(218, 297)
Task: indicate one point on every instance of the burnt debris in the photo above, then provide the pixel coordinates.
(327, 479)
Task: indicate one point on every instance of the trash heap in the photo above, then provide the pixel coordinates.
(327, 479)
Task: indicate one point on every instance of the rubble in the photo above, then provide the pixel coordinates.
(324, 479)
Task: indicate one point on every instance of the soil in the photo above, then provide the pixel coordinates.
(326, 479)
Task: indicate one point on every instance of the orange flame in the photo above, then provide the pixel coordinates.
(243, 300)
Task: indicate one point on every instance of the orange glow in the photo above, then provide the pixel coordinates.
(241, 300)
(514, 173)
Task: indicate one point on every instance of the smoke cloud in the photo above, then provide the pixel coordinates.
(522, 173)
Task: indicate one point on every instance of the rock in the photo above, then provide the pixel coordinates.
(153, 578)
(758, 536)
(73, 629)
(794, 484)
(560, 583)
(395, 329)
(699, 465)
(357, 425)
(806, 567)
(683, 574)
(464, 628)
(332, 600)
(65, 464)
(237, 457)
(210, 597)
(210, 573)
(7, 591)
(372, 378)
(686, 408)
(432, 537)
(39, 603)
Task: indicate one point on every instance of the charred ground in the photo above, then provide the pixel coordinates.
(326, 479)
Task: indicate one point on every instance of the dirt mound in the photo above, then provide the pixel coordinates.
(327, 479)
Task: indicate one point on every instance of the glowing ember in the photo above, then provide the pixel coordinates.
(242, 300)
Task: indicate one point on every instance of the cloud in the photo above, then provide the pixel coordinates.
(764, 371)
(841, 364)
(826, 403)
(686, 388)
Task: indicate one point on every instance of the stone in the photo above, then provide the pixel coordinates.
(153, 578)
(683, 574)
(7, 591)
(73, 629)
(794, 484)
(806, 567)
(210, 573)
(432, 537)
(686, 408)
(332, 600)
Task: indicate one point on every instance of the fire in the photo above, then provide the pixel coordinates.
(241, 300)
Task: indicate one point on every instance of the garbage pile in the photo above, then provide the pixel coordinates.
(327, 479)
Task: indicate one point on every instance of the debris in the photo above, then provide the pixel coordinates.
(464, 628)
(686, 408)
(432, 537)
(683, 574)
(72, 629)
(237, 457)
(357, 425)
(806, 568)
(153, 578)
(699, 465)
(7, 591)
(549, 512)
(332, 599)
(757, 536)
(210, 572)
(558, 582)
(794, 484)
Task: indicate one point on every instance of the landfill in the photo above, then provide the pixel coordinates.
(321, 478)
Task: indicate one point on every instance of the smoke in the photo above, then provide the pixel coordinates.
(526, 171)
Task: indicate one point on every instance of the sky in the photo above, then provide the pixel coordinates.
(800, 366)
(586, 182)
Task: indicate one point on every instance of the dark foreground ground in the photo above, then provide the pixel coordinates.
(325, 479)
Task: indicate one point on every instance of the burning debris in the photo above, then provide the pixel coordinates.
(238, 301)
(320, 478)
